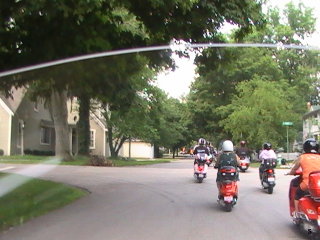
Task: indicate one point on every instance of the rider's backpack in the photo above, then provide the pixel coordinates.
(228, 159)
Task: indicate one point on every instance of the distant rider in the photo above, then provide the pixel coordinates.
(309, 161)
(266, 153)
(201, 149)
(212, 152)
(243, 150)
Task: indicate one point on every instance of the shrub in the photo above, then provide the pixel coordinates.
(38, 152)
(1, 152)
(97, 160)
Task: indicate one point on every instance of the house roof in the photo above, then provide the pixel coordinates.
(13, 102)
(315, 109)
(101, 122)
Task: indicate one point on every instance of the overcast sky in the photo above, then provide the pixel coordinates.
(177, 83)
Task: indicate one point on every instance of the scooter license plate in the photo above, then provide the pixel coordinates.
(271, 179)
(228, 198)
(200, 175)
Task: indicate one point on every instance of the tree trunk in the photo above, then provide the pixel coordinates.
(156, 151)
(59, 111)
(110, 141)
(115, 144)
(173, 152)
(84, 125)
(119, 144)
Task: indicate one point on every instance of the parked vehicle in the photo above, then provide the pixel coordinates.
(308, 215)
(228, 187)
(268, 177)
(244, 163)
(200, 167)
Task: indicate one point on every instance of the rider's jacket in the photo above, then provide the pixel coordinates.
(201, 149)
(267, 154)
(309, 162)
(242, 151)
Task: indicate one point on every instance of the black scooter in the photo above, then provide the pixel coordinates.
(267, 176)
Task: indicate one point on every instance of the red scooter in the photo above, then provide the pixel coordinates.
(308, 216)
(200, 167)
(228, 187)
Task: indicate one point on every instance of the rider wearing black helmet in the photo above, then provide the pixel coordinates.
(309, 161)
(266, 153)
(243, 150)
(201, 147)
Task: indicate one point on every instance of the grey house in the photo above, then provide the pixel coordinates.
(311, 123)
(27, 126)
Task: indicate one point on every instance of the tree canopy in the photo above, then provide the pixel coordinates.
(231, 82)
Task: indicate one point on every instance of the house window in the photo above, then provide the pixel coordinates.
(92, 139)
(45, 136)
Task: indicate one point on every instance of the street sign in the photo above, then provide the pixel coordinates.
(287, 123)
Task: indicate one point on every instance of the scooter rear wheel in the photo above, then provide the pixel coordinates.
(270, 189)
(228, 207)
(200, 180)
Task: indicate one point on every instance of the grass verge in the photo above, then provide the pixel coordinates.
(79, 160)
(139, 162)
(31, 159)
(33, 198)
(257, 165)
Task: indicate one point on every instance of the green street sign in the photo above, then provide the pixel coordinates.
(287, 123)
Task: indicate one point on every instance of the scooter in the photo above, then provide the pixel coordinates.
(200, 167)
(268, 177)
(244, 163)
(228, 187)
(308, 216)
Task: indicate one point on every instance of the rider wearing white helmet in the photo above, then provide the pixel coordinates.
(227, 157)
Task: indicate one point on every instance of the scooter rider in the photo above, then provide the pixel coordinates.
(309, 161)
(212, 152)
(201, 148)
(243, 150)
(227, 158)
(266, 153)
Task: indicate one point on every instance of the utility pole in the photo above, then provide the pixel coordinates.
(287, 124)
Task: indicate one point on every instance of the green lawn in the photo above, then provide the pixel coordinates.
(33, 198)
(31, 159)
(79, 160)
(138, 162)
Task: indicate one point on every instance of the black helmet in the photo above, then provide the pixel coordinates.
(267, 146)
(310, 146)
(202, 141)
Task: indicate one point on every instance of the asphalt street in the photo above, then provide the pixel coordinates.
(155, 202)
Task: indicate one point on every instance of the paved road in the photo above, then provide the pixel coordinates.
(159, 202)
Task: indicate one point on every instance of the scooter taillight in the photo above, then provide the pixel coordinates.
(200, 168)
(270, 171)
(227, 170)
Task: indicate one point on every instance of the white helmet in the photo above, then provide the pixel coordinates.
(202, 141)
(227, 146)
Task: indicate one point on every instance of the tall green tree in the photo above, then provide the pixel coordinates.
(173, 128)
(37, 31)
(257, 110)
(222, 70)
